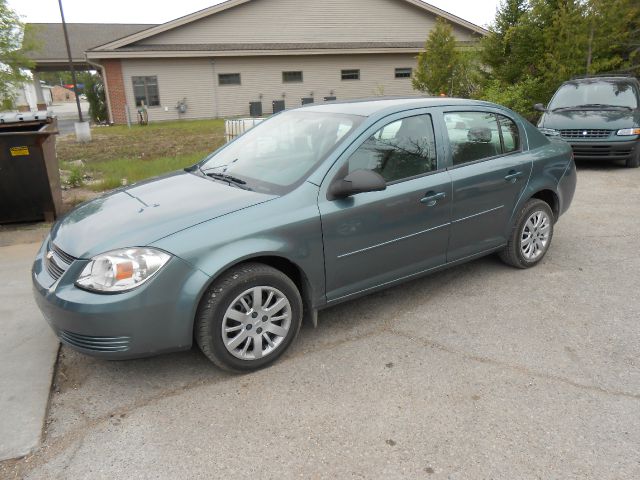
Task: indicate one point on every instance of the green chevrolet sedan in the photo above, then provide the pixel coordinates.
(313, 207)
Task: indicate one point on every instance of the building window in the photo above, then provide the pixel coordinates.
(403, 72)
(229, 79)
(145, 90)
(350, 74)
(291, 77)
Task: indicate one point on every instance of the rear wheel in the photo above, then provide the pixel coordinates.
(531, 235)
(248, 317)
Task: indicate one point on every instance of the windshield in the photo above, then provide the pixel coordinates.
(596, 93)
(279, 153)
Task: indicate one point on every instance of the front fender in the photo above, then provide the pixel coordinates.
(288, 228)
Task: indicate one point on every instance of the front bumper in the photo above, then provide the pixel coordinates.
(157, 317)
(605, 150)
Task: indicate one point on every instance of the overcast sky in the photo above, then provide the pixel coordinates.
(480, 12)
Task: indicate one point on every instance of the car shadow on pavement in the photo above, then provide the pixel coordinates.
(92, 389)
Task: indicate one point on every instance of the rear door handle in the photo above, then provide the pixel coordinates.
(513, 176)
(431, 198)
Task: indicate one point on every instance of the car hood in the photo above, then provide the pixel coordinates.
(143, 213)
(591, 119)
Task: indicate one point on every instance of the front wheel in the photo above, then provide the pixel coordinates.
(531, 235)
(248, 317)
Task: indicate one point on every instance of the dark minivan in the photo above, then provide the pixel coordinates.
(598, 116)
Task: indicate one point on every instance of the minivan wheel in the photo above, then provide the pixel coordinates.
(531, 235)
(248, 317)
(634, 162)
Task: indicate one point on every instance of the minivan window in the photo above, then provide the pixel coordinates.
(402, 149)
(279, 153)
(594, 93)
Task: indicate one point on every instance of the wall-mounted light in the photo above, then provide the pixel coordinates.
(284, 94)
(311, 94)
(331, 92)
(260, 96)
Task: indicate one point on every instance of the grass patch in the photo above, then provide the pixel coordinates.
(140, 152)
(114, 173)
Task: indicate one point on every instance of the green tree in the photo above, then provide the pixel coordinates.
(442, 68)
(94, 89)
(13, 59)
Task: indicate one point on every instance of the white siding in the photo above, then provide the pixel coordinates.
(293, 21)
(197, 80)
(262, 76)
(177, 79)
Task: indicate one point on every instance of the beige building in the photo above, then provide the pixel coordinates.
(268, 53)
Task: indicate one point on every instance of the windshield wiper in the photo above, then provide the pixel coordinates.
(227, 178)
(600, 106)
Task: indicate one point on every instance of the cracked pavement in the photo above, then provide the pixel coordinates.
(481, 371)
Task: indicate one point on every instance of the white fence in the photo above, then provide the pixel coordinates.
(235, 128)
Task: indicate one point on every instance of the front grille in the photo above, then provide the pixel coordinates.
(581, 151)
(585, 133)
(56, 261)
(96, 344)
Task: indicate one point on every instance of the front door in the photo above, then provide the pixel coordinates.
(374, 238)
(489, 171)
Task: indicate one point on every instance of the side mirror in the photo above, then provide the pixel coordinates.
(358, 181)
(540, 107)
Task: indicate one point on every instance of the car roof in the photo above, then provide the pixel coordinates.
(367, 107)
(613, 78)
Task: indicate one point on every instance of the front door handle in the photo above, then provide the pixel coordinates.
(431, 198)
(513, 176)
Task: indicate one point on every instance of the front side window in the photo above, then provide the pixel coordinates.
(229, 79)
(292, 77)
(476, 135)
(145, 91)
(350, 74)
(402, 149)
(283, 150)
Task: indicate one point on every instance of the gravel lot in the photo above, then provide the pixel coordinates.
(481, 371)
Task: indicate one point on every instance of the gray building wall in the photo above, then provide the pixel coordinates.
(308, 21)
(197, 81)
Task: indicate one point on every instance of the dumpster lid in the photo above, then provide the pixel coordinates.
(27, 122)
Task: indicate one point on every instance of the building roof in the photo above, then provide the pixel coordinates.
(82, 37)
(222, 47)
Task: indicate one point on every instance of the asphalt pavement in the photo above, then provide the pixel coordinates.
(478, 372)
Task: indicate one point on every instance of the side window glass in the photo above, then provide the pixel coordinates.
(473, 136)
(510, 134)
(402, 149)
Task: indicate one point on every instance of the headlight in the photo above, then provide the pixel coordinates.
(628, 131)
(121, 270)
(549, 132)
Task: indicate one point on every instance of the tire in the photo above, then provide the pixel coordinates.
(253, 338)
(520, 255)
(634, 162)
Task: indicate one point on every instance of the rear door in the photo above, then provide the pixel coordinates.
(489, 171)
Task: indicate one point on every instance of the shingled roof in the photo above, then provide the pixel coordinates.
(82, 37)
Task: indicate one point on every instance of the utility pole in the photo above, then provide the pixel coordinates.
(73, 72)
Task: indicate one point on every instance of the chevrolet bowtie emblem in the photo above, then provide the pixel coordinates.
(584, 133)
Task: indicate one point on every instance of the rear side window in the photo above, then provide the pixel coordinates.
(478, 135)
(402, 149)
(510, 134)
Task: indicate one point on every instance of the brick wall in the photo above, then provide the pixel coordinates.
(117, 96)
